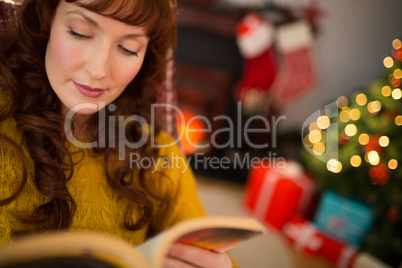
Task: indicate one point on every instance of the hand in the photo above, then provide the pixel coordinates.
(187, 256)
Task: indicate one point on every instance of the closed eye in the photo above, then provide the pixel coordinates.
(77, 35)
(86, 37)
(128, 52)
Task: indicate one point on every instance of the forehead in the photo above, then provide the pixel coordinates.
(156, 17)
(70, 10)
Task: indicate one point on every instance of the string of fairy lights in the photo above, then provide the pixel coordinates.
(317, 135)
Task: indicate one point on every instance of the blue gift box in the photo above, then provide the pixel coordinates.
(344, 218)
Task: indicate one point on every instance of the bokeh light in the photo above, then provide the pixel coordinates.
(344, 116)
(392, 164)
(373, 157)
(323, 122)
(398, 73)
(397, 93)
(342, 102)
(351, 130)
(319, 148)
(355, 161)
(388, 62)
(374, 107)
(383, 141)
(396, 44)
(386, 91)
(364, 139)
(398, 120)
(315, 136)
(334, 166)
(395, 82)
(361, 99)
(354, 114)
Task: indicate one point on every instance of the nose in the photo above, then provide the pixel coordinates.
(97, 64)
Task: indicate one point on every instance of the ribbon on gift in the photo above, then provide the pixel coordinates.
(304, 235)
(345, 259)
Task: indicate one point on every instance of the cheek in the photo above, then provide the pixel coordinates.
(62, 56)
(124, 74)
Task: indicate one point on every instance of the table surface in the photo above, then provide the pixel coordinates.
(269, 250)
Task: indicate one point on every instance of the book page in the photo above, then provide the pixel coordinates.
(213, 233)
(99, 250)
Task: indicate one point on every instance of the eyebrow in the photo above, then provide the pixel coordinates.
(88, 19)
(95, 24)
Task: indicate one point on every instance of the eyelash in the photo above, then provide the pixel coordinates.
(85, 37)
(128, 52)
(77, 35)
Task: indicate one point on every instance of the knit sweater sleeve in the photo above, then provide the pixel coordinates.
(11, 175)
(9, 178)
(8, 173)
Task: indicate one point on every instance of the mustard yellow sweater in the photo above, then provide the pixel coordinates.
(99, 208)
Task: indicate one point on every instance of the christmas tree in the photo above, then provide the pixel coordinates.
(366, 164)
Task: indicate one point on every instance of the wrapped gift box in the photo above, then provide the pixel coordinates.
(274, 195)
(307, 238)
(303, 235)
(340, 253)
(343, 218)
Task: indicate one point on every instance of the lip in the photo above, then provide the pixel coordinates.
(88, 91)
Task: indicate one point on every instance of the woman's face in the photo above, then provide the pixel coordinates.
(90, 59)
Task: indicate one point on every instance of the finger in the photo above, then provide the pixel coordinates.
(199, 256)
(176, 263)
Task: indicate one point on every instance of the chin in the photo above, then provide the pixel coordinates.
(86, 112)
(83, 108)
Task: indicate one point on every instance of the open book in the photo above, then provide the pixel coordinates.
(82, 249)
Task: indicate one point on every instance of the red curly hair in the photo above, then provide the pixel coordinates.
(37, 110)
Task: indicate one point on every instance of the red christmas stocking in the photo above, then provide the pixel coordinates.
(254, 38)
(297, 73)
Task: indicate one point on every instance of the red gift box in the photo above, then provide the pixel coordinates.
(337, 252)
(274, 195)
(309, 239)
(303, 235)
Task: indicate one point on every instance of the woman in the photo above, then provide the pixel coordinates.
(77, 77)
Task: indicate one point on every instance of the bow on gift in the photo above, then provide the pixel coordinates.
(304, 235)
